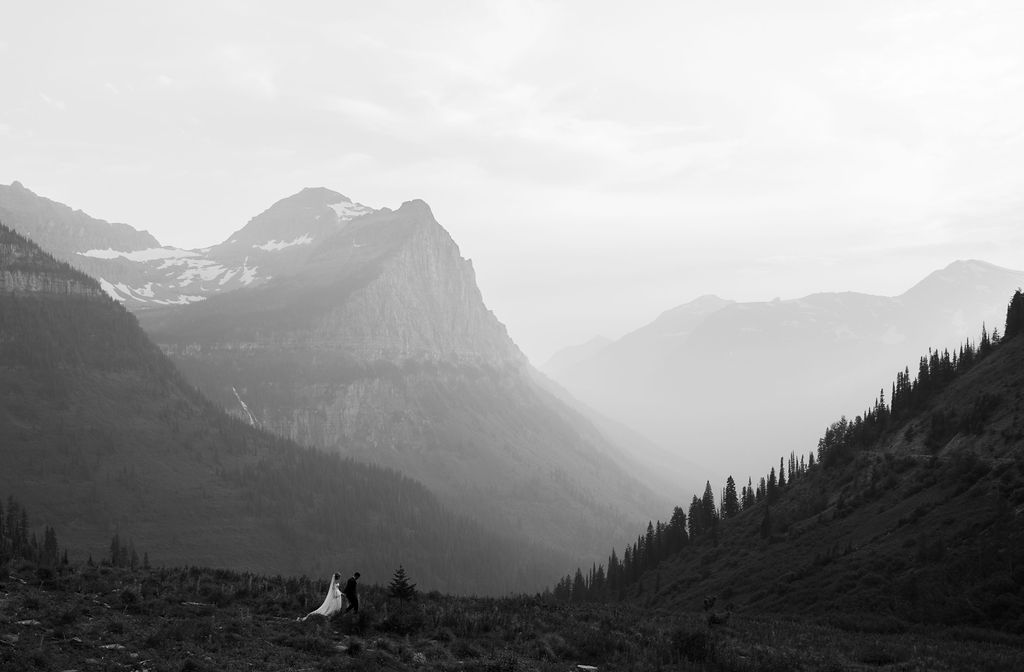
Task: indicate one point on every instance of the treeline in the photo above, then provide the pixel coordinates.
(18, 541)
(15, 255)
(664, 540)
(909, 397)
(840, 442)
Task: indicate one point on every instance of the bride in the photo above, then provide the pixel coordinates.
(333, 603)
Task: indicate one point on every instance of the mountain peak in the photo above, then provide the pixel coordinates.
(295, 221)
(315, 196)
(963, 277)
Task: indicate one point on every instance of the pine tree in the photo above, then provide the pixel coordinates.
(730, 502)
(401, 588)
(986, 344)
(676, 531)
(708, 505)
(579, 586)
(696, 518)
(1014, 316)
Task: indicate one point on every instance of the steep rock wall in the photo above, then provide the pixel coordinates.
(425, 304)
(45, 283)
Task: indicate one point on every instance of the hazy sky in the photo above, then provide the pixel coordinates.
(599, 161)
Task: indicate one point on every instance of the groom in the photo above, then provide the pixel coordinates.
(351, 595)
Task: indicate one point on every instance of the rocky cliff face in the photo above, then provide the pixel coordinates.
(45, 283)
(26, 269)
(424, 304)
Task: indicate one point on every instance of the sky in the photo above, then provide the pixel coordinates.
(600, 162)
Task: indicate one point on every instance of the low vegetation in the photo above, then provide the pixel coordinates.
(102, 617)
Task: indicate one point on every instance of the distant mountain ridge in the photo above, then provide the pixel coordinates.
(133, 268)
(787, 366)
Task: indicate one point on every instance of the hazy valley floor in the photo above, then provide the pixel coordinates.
(100, 618)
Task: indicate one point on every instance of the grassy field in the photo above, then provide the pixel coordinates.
(100, 618)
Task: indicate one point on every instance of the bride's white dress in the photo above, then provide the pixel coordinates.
(333, 603)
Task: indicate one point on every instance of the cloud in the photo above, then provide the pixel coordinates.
(369, 113)
(52, 102)
(248, 69)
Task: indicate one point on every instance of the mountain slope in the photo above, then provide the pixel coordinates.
(783, 366)
(380, 347)
(914, 513)
(101, 435)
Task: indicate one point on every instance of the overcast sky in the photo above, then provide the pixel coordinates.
(599, 162)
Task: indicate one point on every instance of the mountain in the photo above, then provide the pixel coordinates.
(100, 435)
(568, 357)
(63, 231)
(133, 268)
(363, 333)
(910, 514)
(731, 384)
(380, 348)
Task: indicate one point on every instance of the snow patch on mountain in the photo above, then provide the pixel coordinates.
(182, 299)
(203, 269)
(110, 290)
(275, 245)
(248, 274)
(151, 254)
(347, 211)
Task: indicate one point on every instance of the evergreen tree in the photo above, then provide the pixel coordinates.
(710, 512)
(1014, 316)
(650, 551)
(696, 518)
(400, 586)
(730, 502)
(579, 586)
(986, 344)
(676, 531)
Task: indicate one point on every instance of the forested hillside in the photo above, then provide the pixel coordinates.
(909, 512)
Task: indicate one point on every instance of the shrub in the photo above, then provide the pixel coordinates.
(695, 647)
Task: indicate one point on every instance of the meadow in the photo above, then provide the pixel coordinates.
(195, 619)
